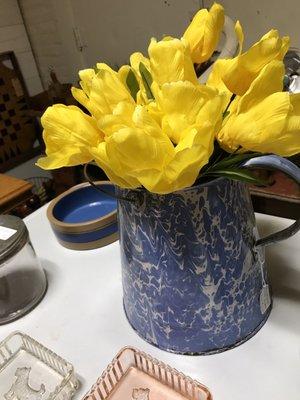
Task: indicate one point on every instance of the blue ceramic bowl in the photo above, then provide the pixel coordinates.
(83, 218)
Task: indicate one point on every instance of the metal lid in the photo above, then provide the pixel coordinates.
(13, 236)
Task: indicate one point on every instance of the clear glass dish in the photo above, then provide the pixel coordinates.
(134, 375)
(30, 371)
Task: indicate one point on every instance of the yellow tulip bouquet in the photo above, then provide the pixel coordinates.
(152, 124)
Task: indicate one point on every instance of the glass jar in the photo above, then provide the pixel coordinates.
(22, 280)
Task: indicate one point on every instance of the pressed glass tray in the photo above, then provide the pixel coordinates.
(30, 371)
(134, 375)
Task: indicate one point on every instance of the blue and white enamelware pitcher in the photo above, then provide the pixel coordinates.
(194, 275)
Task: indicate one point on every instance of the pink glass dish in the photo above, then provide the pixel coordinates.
(134, 375)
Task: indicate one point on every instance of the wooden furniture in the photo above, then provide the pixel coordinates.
(13, 193)
(19, 132)
(282, 198)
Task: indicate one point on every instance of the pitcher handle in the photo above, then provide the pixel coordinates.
(286, 166)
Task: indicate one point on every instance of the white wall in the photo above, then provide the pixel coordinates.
(259, 16)
(112, 30)
(13, 37)
(50, 27)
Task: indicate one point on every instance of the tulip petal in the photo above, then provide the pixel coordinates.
(82, 95)
(215, 79)
(204, 32)
(68, 158)
(86, 76)
(71, 124)
(181, 172)
(191, 155)
(170, 61)
(244, 68)
(260, 128)
(240, 35)
(289, 141)
(123, 73)
(100, 156)
(269, 81)
(136, 150)
(120, 118)
(136, 59)
(68, 134)
(183, 104)
(105, 91)
(136, 153)
(108, 91)
(105, 67)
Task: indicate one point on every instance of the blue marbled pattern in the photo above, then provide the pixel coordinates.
(191, 277)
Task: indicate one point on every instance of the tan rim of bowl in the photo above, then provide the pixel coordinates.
(80, 227)
(96, 244)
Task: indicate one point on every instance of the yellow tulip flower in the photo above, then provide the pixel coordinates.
(68, 134)
(151, 123)
(101, 157)
(235, 75)
(102, 91)
(191, 154)
(185, 106)
(204, 32)
(170, 61)
(265, 119)
(238, 73)
(138, 151)
(134, 145)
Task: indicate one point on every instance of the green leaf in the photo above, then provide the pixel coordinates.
(226, 113)
(132, 84)
(147, 80)
(233, 160)
(239, 175)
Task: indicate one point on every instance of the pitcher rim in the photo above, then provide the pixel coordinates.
(200, 185)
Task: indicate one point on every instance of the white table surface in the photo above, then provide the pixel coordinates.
(81, 318)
